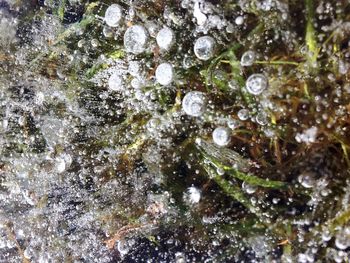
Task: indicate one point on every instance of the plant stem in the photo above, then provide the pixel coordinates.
(278, 62)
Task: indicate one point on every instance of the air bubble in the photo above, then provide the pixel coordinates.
(222, 136)
(248, 58)
(165, 74)
(194, 103)
(116, 82)
(256, 84)
(113, 15)
(135, 39)
(307, 179)
(165, 38)
(243, 114)
(342, 239)
(248, 188)
(204, 47)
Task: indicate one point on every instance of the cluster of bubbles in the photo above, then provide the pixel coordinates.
(82, 157)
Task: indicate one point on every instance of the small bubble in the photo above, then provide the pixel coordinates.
(165, 74)
(194, 103)
(220, 171)
(135, 39)
(222, 136)
(204, 47)
(233, 124)
(107, 32)
(165, 38)
(180, 257)
(239, 20)
(342, 239)
(262, 118)
(243, 114)
(233, 84)
(256, 84)
(307, 179)
(248, 188)
(248, 58)
(116, 82)
(113, 15)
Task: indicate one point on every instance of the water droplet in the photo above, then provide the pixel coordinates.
(326, 235)
(248, 188)
(222, 136)
(204, 47)
(164, 74)
(262, 118)
(165, 38)
(307, 179)
(116, 82)
(113, 15)
(248, 58)
(256, 84)
(243, 114)
(180, 257)
(233, 84)
(194, 103)
(233, 124)
(342, 239)
(135, 39)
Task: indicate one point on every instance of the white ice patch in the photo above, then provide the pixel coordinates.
(308, 136)
(201, 18)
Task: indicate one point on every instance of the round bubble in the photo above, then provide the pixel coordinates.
(222, 136)
(256, 84)
(165, 38)
(204, 47)
(116, 82)
(135, 39)
(194, 103)
(113, 15)
(248, 58)
(165, 74)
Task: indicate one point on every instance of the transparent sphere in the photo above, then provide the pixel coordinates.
(204, 47)
(248, 58)
(165, 74)
(165, 38)
(307, 179)
(256, 84)
(222, 136)
(243, 114)
(113, 15)
(248, 188)
(116, 82)
(194, 103)
(135, 39)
